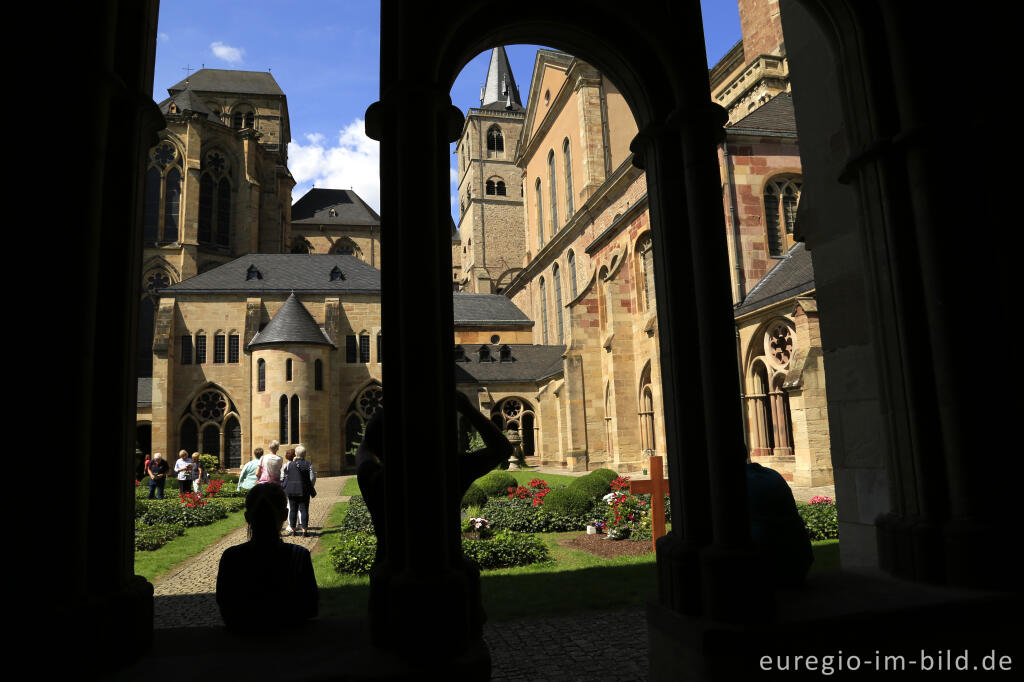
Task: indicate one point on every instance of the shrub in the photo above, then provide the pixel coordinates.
(568, 501)
(606, 475)
(210, 463)
(594, 486)
(474, 497)
(513, 514)
(354, 552)
(821, 520)
(172, 511)
(357, 517)
(148, 538)
(506, 549)
(497, 483)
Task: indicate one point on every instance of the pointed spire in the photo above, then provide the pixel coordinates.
(500, 87)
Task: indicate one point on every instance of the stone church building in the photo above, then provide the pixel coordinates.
(556, 334)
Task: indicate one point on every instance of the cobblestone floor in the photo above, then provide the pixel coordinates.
(185, 596)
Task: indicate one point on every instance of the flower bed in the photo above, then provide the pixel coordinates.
(157, 522)
(821, 518)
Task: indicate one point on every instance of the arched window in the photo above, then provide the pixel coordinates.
(489, 187)
(288, 369)
(543, 311)
(602, 305)
(781, 198)
(300, 245)
(282, 416)
(214, 200)
(162, 195)
(495, 142)
(364, 348)
(567, 160)
(200, 349)
(295, 420)
(554, 193)
(572, 274)
(233, 348)
(540, 216)
(645, 272)
(205, 232)
(223, 212)
(500, 188)
(261, 375)
(236, 122)
(646, 412)
(318, 375)
(250, 120)
(219, 348)
(556, 278)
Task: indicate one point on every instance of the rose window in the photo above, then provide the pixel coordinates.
(370, 401)
(157, 280)
(511, 409)
(210, 406)
(780, 344)
(164, 154)
(216, 162)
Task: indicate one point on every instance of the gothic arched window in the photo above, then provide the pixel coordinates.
(557, 279)
(288, 369)
(282, 417)
(567, 160)
(500, 188)
(295, 420)
(645, 272)
(572, 274)
(781, 198)
(554, 192)
(214, 200)
(540, 216)
(543, 311)
(489, 187)
(261, 375)
(223, 212)
(162, 211)
(495, 141)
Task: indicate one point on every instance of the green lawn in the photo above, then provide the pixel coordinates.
(575, 581)
(151, 564)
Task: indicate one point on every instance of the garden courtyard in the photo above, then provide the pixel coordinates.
(552, 592)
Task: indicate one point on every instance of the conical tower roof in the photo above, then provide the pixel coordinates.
(291, 324)
(500, 89)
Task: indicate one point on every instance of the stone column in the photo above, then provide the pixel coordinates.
(575, 413)
(425, 573)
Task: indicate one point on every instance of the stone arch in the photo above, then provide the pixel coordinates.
(515, 413)
(345, 246)
(301, 245)
(646, 411)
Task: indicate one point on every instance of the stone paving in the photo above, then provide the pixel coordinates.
(185, 596)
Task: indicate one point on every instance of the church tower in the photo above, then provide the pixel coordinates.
(490, 185)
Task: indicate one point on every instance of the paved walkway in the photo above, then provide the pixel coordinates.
(185, 596)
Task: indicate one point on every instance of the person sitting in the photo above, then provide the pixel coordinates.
(266, 554)
(247, 476)
(776, 528)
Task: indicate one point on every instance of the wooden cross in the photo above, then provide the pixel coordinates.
(656, 488)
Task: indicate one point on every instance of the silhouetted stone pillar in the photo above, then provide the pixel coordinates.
(424, 599)
(705, 563)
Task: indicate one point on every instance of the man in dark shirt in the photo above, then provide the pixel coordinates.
(157, 470)
(776, 528)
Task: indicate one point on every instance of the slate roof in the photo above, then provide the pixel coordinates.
(229, 80)
(283, 272)
(487, 309)
(500, 90)
(773, 119)
(314, 208)
(292, 324)
(528, 363)
(792, 275)
(187, 100)
(144, 391)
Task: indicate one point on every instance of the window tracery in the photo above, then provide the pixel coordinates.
(162, 212)
(781, 199)
(214, 224)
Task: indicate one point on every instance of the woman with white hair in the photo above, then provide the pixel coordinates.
(269, 470)
(298, 486)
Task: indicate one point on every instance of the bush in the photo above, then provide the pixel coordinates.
(209, 463)
(606, 475)
(354, 552)
(568, 501)
(474, 497)
(513, 514)
(821, 520)
(506, 549)
(152, 512)
(594, 486)
(148, 538)
(497, 483)
(357, 517)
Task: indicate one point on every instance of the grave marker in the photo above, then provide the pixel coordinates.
(656, 488)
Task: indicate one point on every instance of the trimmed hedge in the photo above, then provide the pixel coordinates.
(474, 497)
(606, 475)
(357, 517)
(521, 515)
(594, 486)
(148, 538)
(497, 483)
(154, 512)
(355, 552)
(568, 501)
(821, 520)
(506, 549)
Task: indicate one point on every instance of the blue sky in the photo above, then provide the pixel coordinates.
(325, 56)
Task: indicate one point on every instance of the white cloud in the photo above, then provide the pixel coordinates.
(163, 37)
(352, 163)
(232, 55)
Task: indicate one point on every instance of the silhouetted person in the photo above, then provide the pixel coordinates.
(776, 528)
(248, 606)
(370, 461)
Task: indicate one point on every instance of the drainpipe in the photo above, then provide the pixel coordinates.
(737, 251)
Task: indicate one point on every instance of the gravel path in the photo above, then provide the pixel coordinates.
(185, 595)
